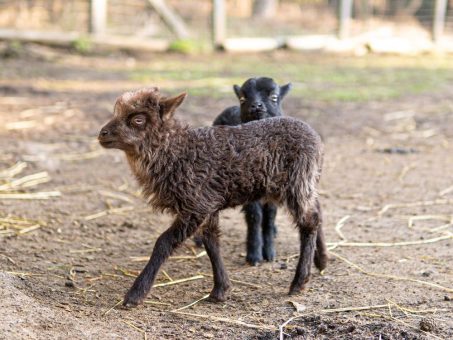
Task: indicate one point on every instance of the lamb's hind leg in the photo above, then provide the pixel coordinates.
(181, 229)
(307, 226)
(211, 243)
(321, 257)
(269, 231)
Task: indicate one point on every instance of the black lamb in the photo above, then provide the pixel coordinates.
(259, 98)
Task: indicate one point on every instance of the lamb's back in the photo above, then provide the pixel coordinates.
(271, 135)
(254, 159)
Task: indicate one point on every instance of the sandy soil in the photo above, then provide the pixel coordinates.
(62, 279)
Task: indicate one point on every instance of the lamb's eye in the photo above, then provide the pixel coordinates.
(274, 97)
(242, 99)
(138, 120)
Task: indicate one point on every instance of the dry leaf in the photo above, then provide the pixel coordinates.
(298, 306)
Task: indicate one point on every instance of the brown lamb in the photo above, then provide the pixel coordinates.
(196, 173)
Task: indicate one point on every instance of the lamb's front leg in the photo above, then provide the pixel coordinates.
(269, 231)
(181, 229)
(254, 217)
(211, 244)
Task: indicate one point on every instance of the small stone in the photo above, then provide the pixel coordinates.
(428, 324)
(350, 329)
(322, 329)
(300, 331)
(447, 298)
(129, 225)
(69, 284)
(283, 265)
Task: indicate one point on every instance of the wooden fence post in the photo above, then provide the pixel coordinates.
(440, 10)
(218, 23)
(98, 16)
(171, 18)
(344, 19)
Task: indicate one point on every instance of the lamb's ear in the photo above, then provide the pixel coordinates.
(285, 89)
(237, 90)
(168, 106)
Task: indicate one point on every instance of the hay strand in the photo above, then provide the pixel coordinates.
(184, 257)
(174, 282)
(149, 302)
(392, 277)
(13, 170)
(194, 257)
(113, 307)
(441, 227)
(30, 196)
(117, 196)
(340, 225)
(387, 207)
(389, 244)
(11, 225)
(26, 181)
(191, 304)
(136, 328)
(166, 275)
(237, 281)
(446, 191)
(412, 219)
(68, 156)
(227, 320)
(108, 212)
(352, 309)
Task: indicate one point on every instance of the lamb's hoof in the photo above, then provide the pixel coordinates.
(294, 290)
(321, 261)
(132, 300)
(269, 254)
(298, 285)
(254, 259)
(218, 295)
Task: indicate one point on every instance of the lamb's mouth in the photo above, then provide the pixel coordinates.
(256, 115)
(107, 143)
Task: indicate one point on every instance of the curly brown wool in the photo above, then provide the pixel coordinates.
(196, 173)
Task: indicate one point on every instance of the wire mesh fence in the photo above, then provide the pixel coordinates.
(244, 18)
(45, 15)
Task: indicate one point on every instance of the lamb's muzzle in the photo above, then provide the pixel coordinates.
(195, 173)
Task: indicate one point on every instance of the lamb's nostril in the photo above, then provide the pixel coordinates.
(104, 132)
(257, 105)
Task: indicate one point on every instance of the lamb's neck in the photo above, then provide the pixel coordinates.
(154, 161)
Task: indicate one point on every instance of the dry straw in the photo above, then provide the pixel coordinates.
(12, 225)
(392, 277)
(12, 188)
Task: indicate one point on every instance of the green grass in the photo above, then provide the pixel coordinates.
(324, 78)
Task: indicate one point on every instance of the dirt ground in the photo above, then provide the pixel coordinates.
(386, 193)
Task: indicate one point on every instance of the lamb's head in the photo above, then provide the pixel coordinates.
(260, 98)
(138, 116)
